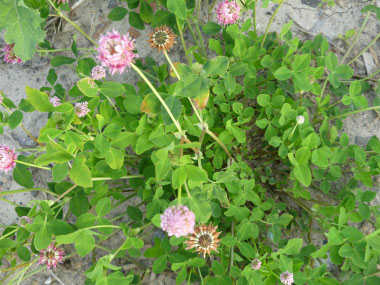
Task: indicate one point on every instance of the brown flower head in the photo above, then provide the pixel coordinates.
(204, 239)
(162, 38)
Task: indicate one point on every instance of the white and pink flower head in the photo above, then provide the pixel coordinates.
(81, 109)
(98, 72)
(287, 278)
(7, 158)
(55, 101)
(51, 256)
(1, 99)
(256, 264)
(178, 221)
(9, 55)
(116, 51)
(227, 12)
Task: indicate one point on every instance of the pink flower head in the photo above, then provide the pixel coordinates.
(98, 72)
(256, 264)
(51, 256)
(1, 99)
(81, 109)
(25, 220)
(227, 12)
(9, 55)
(287, 278)
(7, 158)
(55, 101)
(116, 51)
(178, 221)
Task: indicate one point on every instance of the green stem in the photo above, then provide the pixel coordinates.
(62, 49)
(8, 234)
(32, 165)
(10, 192)
(184, 44)
(270, 22)
(171, 65)
(192, 33)
(9, 202)
(357, 35)
(176, 123)
(103, 226)
(371, 75)
(367, 47)
(76, 27)
(211, 134)
(179, 195)
(354, 112)
(110, 178)
(113, 105)
(254, 17)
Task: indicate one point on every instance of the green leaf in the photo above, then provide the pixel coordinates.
(301, 62)
(80, 173)
(179, 176)
(23, 177)
(88, 87)
(23, 252)
(293, 246)
(240, 48)
(42, 238)
(112, 89)
(102, 145)
(115, 158)
(135, 20)
(196, 174)
(6, 243)
(303, 174)
(79, 203)
(263, 100)
(217, 65)
(146, 12)
(175, 107)
(59, 227)
(61, 60)
(84, 243)
(211, 28)
(201, 209)
(103, 207)
(178, 7)
(160, 264)
(59, 172)
(283, 73)
(162, 18)
(23, 27)
(15, 119)
(39, 100)
(190, 85)
(247, 250)
(162, 166)
(117, 14)
(355, 88)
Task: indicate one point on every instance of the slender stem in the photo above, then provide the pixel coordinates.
(192, 33)
(76, 27)
(370, 76)
(200, 38)
(9, 202)
(65, 193)
(103, 226)
(254, 17)
(270, 22)
(110, 178)
(232, 247)
(354, 112)
(357, 35)
(8, 234)
(179, 194)
(61, 49)
(171, 65)
(184, 44)
(211, 134)
(113, 105)
(187, 190)
(32, 165)
(367, 47)
(10, 192)
(176, 123)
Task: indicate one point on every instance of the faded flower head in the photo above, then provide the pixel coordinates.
(287, 278)
(55, 101)
(300, 120)
(204, 239)
(51, 256)
(9, 55)
(162, 38)
(25, 220)
(256, 264)
(227, 12)
(98, 72)
(7, 158)
(81, 109)
(178, 221)
(116, 51)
